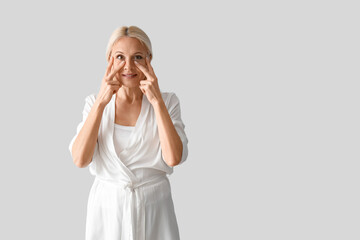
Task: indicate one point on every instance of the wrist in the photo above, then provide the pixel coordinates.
(159, 104)
(99, 105)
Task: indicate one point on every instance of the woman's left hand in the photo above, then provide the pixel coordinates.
(149, 86)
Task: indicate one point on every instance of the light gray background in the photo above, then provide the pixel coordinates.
(269, 95)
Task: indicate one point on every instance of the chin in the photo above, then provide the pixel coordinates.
(130, 83)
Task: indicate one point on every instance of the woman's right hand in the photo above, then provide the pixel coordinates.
(109, 85)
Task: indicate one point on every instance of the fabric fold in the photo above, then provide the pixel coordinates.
(133, 219)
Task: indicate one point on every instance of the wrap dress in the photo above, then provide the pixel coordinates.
(132, 201)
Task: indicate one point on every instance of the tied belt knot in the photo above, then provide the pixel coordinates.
(129, 187)
(133, 221)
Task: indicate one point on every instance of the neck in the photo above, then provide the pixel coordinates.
(129, 95)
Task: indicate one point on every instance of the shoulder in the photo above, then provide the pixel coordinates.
(172, 102)
(89, 102)
(170, 99)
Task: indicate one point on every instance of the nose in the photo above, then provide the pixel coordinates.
(129, 63)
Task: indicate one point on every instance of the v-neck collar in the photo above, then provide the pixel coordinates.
(106, 137)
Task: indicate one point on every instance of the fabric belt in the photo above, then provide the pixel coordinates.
(133, 222)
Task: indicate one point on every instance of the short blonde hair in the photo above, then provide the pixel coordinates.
(131, 31)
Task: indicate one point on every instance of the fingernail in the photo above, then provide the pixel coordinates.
(135, 61)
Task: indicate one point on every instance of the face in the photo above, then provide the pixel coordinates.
(129, 49)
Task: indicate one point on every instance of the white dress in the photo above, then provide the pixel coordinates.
(131, 194)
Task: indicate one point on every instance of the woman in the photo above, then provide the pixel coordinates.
(131, 137)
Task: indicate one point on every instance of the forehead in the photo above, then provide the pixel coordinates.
(128, 45)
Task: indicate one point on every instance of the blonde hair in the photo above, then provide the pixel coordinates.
(131, 31)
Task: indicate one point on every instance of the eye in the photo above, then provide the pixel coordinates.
(119, 57)
(138, 57)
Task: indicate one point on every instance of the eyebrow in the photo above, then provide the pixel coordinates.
(133, 54)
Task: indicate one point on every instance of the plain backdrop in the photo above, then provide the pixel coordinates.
(269, 94)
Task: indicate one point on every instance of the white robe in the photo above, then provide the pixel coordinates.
(132, 201)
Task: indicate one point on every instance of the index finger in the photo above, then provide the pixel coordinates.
(143, 69)
(117, 68)
(149, 65)
(108, 69)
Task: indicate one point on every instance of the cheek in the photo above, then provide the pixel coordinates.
(141, 75)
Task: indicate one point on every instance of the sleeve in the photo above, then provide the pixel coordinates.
(175, 114)
(89, 102)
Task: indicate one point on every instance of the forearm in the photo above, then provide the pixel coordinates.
(171, 145)
(84, 144)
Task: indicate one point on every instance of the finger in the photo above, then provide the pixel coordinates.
(142, 89)
(108, 69)
(143, 69)
(113, 82)
(115, 78)
(114, 89)
(145, 82)
(116, 69)
(149, 65)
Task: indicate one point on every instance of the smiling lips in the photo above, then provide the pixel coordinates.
(129, 75)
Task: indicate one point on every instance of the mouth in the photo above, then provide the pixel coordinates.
(129, 75)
